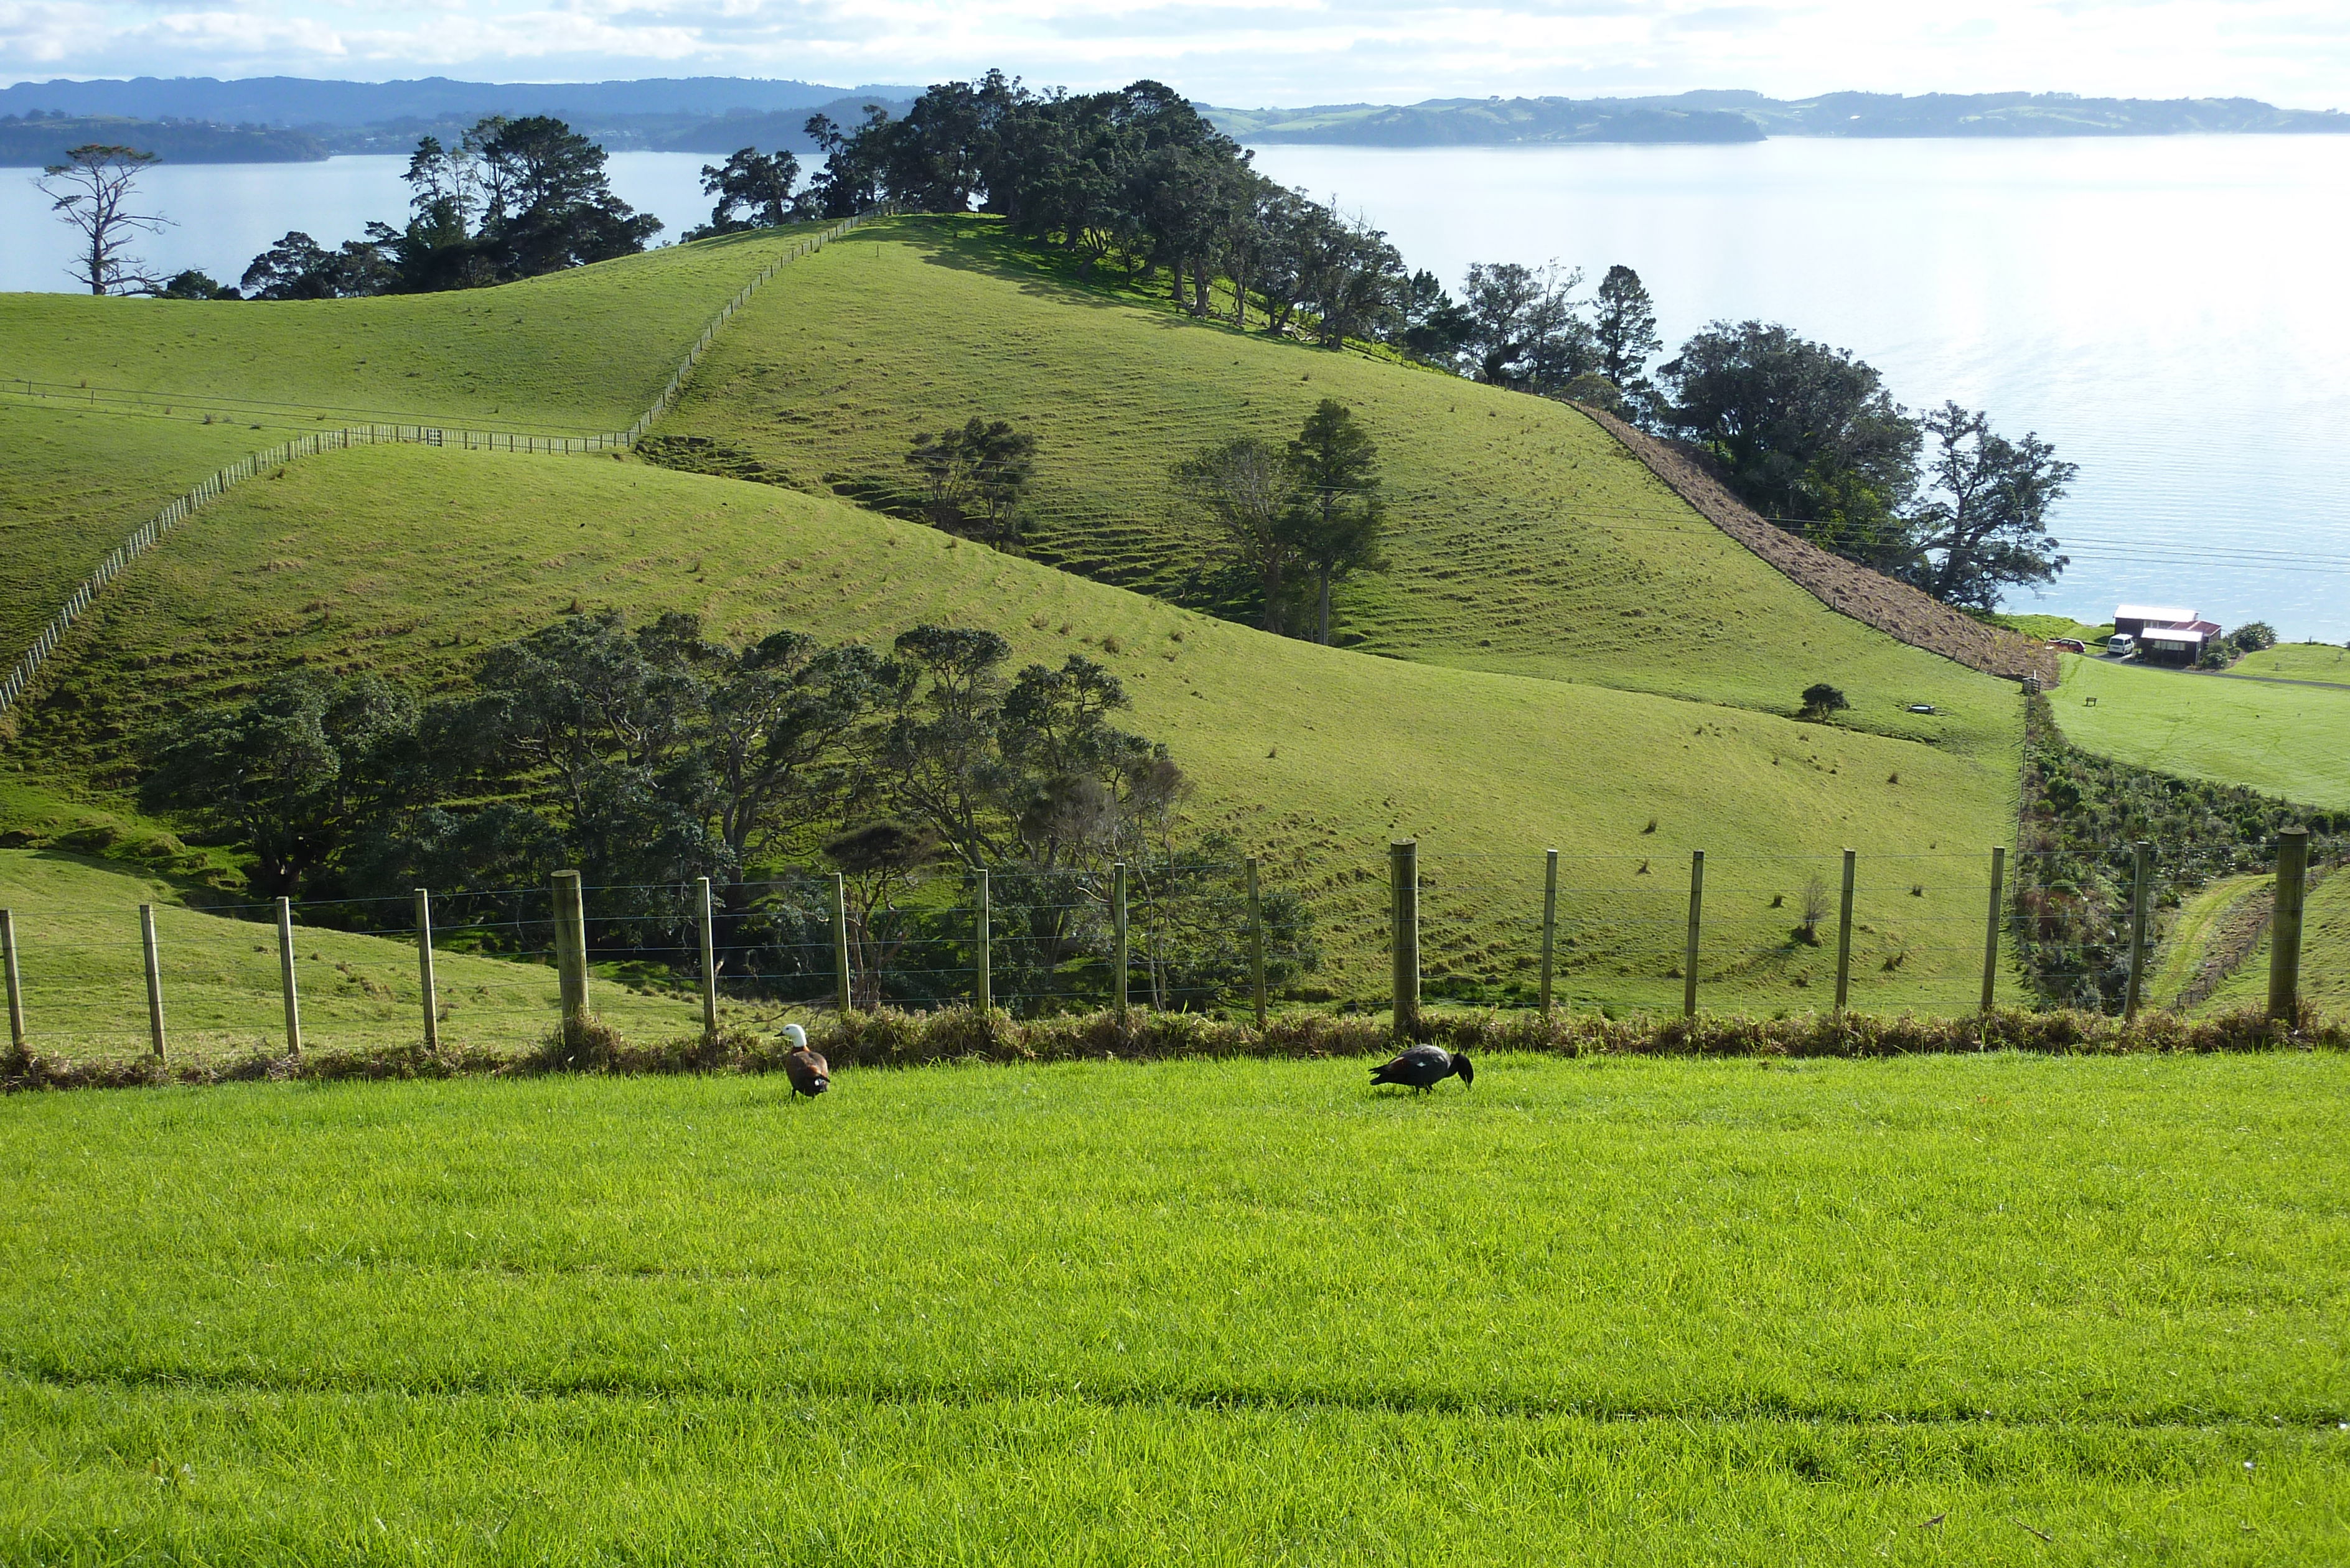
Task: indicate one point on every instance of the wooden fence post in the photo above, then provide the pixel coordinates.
(286, 977)
(2284, 927)
(2139, 854)
(1690, 950)
(1403, 882)
(1991, 928)
(16, 983)
(154, 977)
(709, 962)
(571, 949)
(1843, 933)
(1550, 925)
(426, 982)
(1256, 942)
(843, 995)
(1118, 940)
(983, 996)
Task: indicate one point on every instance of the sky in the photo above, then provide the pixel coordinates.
(1262, 52)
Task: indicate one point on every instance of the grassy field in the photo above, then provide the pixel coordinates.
(576, 352)
(410, 562)
(2287, 741)
(2325, 956)
(2188, 935)
(74, 482)
(85, 986)
(1524, 539)
(2320, 661)
(1978, 1310)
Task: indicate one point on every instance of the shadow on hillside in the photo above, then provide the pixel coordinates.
(986, 245)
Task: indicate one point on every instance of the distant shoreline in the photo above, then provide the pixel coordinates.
(299, 120)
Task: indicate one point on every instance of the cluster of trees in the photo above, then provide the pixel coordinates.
(1299, 516)
(973, 477)
(650, 756)
(1808, 434)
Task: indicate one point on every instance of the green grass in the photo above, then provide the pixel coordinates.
(410, 562)
(2188, 933)
(2054, 626)
(2319, 662)
(576, 352)
(1523, 538)
(74, 483)
(2292, 742)
(2325, 956)
(1618, 1311)
(85, 985)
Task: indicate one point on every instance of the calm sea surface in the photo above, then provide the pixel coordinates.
(2169, 311)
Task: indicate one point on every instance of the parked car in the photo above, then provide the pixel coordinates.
(2068, 645)
(2121, 644)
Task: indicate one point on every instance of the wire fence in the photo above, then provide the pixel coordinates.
(1938, 932)
(150, 534)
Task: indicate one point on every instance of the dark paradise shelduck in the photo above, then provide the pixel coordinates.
(810, 1073)
(1424, 1066)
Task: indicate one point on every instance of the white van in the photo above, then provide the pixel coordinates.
(2121, 644)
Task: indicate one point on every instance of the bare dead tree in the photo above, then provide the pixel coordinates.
(92, 190)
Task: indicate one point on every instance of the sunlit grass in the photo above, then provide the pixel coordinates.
(2288, 740)
(1649, 1311)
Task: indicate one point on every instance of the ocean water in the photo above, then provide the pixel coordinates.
(2169, 311)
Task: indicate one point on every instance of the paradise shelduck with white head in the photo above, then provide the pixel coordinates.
(810, 1073)
(1424, 1066)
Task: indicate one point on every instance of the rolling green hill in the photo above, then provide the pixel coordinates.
(572, 353)
(1523, 537)
(74, 482)
(409, 561)
(2288, 740)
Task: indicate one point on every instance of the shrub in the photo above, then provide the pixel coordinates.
(1821, 700)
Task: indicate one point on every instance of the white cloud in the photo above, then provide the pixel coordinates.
(1279, 51)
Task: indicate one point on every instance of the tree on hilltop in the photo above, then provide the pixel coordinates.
(1624, 328)
(93, 190)
(758, 184)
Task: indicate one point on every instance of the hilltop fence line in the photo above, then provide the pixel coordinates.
(1045, 943)
(150, 534)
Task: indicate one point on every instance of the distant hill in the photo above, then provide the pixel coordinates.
(1730, 116)
(299, 101)
(35, 140)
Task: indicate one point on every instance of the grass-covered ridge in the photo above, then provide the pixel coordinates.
(577, 352)
(1617, 1312)
(1523, 537)
(410, 562)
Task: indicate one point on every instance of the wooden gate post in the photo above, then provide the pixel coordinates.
(1256, 942)
(984, 994)
(428, 983)
(154, 977)
(571, 949)
(1403, 883)
(843, 995)
(709, 962)
(2284, 927)
(1117, 939)
(1843, 933)
(1695, 917)
(1550, 926)
(1991, 928)
(2139, 854)
(16, 983)
(286, 977)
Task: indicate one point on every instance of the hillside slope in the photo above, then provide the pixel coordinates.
(576, 352)
(409, 561)
(1523, 538)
